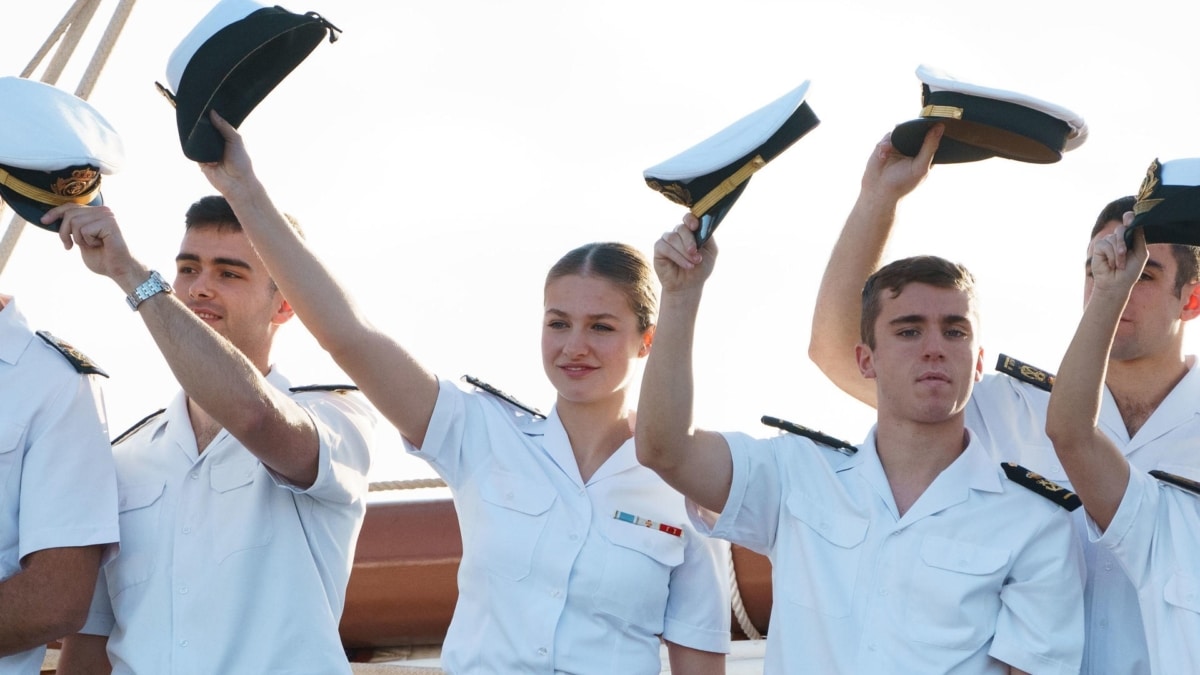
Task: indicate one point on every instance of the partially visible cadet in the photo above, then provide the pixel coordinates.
(58, 488)
(1149, 521)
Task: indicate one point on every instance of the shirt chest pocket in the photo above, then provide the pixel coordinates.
(139, 508)
(830, 545)
(636, 580)
(10, 444)
(1182, 592)
(953, 599)
(513, 515)
(241, 517)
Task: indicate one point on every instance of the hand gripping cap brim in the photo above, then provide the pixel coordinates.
(710, 176)
(982, 122)
(1168, 203)
(235, 69)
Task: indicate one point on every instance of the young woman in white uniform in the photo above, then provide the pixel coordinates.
(575, 557)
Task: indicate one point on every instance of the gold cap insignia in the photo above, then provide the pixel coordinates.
(1149, 185)
(80, 181)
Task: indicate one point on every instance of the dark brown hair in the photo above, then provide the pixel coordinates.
(895, 276)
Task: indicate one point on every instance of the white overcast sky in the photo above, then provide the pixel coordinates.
(442, 155)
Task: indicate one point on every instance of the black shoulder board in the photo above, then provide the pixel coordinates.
(791, 427)
(80, 362)
(1043, 486)
(136, 427)
(323, 387)
(475, 381)
(1025, 372)
(1178, 481)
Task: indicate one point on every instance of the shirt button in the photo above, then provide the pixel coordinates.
(573, 537)
(542, 651)
(183, 643)
(183, 590)
(1108, 566)
(557, 594)
(883, 591)
(871, 647)
(1104, 623)
(187, 530)
(194, 475)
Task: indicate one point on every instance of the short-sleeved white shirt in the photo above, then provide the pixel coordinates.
(979, 571)
(1010, 417)
(1156, 536)
(224, 567)
(550, 581)
(58, 485)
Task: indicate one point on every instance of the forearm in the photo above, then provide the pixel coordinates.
(664, 420)
(48, 598)
(694, 661)
(326, 309)
(84, 655)
(837, 311)
(399, 386)
(1098, 471)
(222, 381)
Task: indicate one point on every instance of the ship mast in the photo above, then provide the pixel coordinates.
(62, 41)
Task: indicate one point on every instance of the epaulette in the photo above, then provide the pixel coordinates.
(1178, 481)
(800, 430)
(1042, 486)
(1025, 372)
(474, 381)
(323, 387)
(137, 427)
(78, 361)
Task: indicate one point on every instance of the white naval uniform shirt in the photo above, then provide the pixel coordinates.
(1156, 536)
(58, 485)
(979, 571)
(224, 567)
(1010, 417)
(550, 581)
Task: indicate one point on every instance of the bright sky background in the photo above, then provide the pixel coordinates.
(442, 155)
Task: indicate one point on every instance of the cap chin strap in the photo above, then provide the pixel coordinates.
(45, 196)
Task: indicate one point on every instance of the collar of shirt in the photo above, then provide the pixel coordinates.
(557, 445)
(1179, 407)
(974, 469)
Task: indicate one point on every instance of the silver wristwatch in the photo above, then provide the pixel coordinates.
(148, 288)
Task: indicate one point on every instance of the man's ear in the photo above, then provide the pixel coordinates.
(866, 360)
(283, 313)
(1192, 309)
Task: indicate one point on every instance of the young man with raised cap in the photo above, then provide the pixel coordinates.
(904, 557)
(1149, 409)
(1149, 521)
(58, 485)
(241, 502)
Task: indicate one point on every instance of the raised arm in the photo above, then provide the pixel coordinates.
(1098, 471)
(402, 389)
(697, 463)
(216, 376)
(858, 252)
